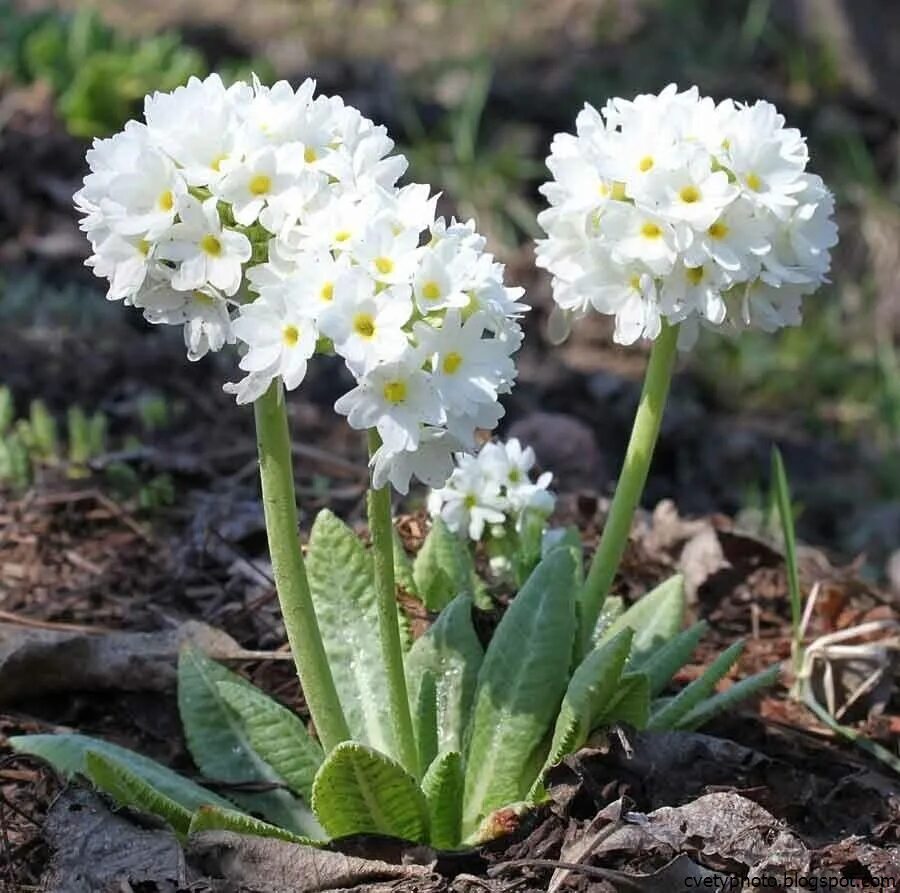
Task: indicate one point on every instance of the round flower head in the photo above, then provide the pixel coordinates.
(270, 218)
(673, 208)
(492, 488)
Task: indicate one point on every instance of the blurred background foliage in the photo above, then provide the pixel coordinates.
(473, 91)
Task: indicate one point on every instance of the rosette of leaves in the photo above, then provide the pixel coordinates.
(490, 720)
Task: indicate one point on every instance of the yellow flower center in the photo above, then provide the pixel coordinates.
(694, 275)
(290, 335)
(645, 164)
(211, 245)
(310, 155)
(341, 236)
(327, 292)
(650, 230)
(395, 391)
(364, 325)
(384, 265)
(689, 194)
(635, 282)
(515, 476)
(603, 189)
(431, 291)
(452, 362)
(166, 201)
(216, 163)
(618, 191)
(143, 247)
(260, 184)
(718, 230)
(470, 501)
(754, 182)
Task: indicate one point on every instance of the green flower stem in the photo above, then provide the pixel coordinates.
(277, 475)
(381, 529)
(631, 482)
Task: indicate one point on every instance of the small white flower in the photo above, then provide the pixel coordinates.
(205, 251)
(735, 240)
(395, 398)
(366, 326)
(250, 184)
(470, 500)
(196, 126)
(279, 337)
(389, 255)
(494, 487)
(693, 193)
(144, 201)
(635, 235)
(124, 262)
(468, 368)
(431, 462)
(202, 312)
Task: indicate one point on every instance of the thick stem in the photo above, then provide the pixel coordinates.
(631, 482)
(381, 529)
(277, 476)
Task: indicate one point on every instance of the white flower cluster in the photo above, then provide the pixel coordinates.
(270, 217)
(675, 208)
(492, 487)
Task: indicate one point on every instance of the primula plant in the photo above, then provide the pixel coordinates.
(269, 219)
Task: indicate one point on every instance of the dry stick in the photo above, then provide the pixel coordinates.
(605, 874)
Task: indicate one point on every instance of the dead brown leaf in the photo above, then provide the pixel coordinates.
(265, 865)
(35, 662)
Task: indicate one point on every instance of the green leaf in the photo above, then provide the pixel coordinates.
(451, 652)
(443, 789)
(671, 657)
(425, 719)
(630, 703)
(129, 789)
(520, 686)
(403, 576)
(7, 409)
(613, 608)
(341, 579)
(403, 567)
(361, 791)
(655, 618)
(443, 567)
(211, 818)
(67, 754)
(43, 430)
(592, 686)
(222, 748)
(529, 541)
(740, 691)
(568, 537)
(277, 735)
(673, 711)
(786, 516)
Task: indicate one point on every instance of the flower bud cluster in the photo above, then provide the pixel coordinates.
(494, 487)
